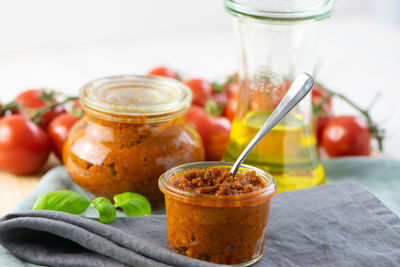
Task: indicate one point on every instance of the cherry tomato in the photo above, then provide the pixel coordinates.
(164, 71)
(220, 98)
(76, 109)
(32, 99)
(201, 90)
(268, 96)
(321, 122)
(50, 115)
(231, 89)
(58, 132)
(214, 131)
(230, 108)
(77, 104)
(322, 100)
(322, 109)
(24, 147)
(346, 136)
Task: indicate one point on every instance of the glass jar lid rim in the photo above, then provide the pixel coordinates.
(281, 10)
(136, 95)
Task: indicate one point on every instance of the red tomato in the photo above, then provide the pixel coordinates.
(321, 122)
(322, 99)
(50, 115)
(268, 96)
(77, 104)
(346, 136)
(214, 131)
(231, 89)
(58, 131)
(24, 147)
(32, 100)
(322, 108)
(220, 98)
(76, 109)
(230, 108)
(164, 71)
(201, 90)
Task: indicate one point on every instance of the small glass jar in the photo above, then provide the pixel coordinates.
(226, 229)
(133, 130)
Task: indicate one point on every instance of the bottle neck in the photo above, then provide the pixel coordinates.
(285, 50)
(271, 56)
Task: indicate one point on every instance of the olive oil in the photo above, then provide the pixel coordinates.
(288, 152)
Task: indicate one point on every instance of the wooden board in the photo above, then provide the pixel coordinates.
(13, 188)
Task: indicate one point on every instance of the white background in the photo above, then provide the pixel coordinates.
(63, 44)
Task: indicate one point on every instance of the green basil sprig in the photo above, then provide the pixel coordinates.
(132, 204)
(107, 212)
(64, 200)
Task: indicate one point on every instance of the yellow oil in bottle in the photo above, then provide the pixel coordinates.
(288, 152)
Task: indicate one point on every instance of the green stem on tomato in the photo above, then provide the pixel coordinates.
(376, 132)
(213, 108)
(9, 106)
(318, 108)
(218, 87)
(37, 115)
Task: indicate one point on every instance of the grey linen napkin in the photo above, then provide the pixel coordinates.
(338, 224)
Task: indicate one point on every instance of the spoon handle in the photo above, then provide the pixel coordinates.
(301, 86)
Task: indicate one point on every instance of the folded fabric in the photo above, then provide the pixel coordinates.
(56, 238)
(338, 224)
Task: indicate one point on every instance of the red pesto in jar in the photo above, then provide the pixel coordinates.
(215, 217)
(133, 130)
(217, 181)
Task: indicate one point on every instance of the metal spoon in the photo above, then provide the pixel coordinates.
(301, 86)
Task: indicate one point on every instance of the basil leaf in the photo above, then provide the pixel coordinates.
(132, 204)
(64, 200)
(107, 211)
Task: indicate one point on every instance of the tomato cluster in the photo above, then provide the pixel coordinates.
(214, 107)
(338, 135)
(38, 122)
(31, 126)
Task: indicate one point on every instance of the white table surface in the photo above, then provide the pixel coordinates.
(362, 58)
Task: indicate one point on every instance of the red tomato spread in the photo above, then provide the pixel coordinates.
(215, 217)
(133, 130)
(217, 181)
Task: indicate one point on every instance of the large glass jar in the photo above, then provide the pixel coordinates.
(277, 40)
(133, 130)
